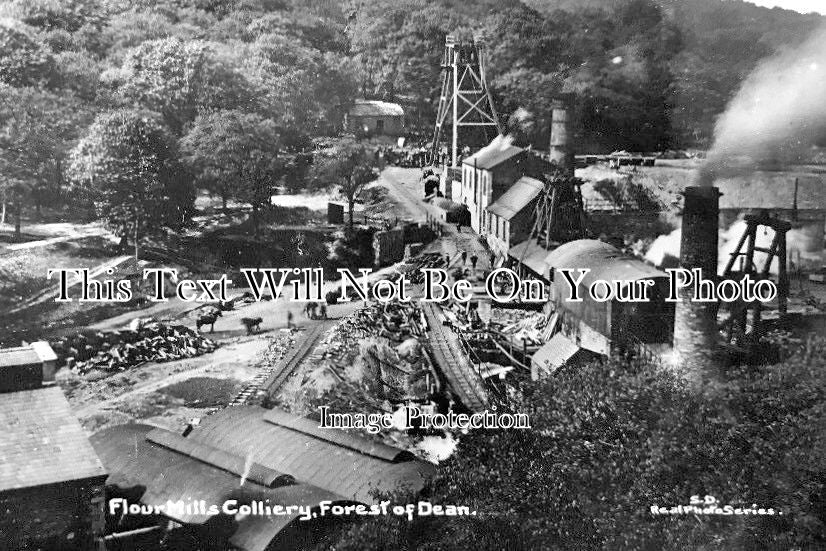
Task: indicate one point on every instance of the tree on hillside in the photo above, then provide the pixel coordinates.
(608, 441)
(299, 87)
(128, 164)
(47, 15)
(397, 46)
(322, 34)
(235, 154)
(23, 60)
(350, 166)
(179, 79)
(37, 129)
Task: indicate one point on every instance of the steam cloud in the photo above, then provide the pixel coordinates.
(666, 248)
(778, 114)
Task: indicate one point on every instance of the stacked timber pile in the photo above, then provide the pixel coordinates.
(412, 269)
(119, 350)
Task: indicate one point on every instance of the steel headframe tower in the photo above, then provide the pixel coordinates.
(465, 96)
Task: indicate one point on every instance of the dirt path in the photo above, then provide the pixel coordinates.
(403, 185)
(231, 360)
(241, 359)
(51, 234)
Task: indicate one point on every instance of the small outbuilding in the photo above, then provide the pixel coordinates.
(375, 118)
(51, 480)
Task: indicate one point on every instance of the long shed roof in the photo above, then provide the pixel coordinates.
(603, 260)
(254, 454)
(42, 442)
(346, 464)
(135, 458)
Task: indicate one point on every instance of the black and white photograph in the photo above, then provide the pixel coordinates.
(412, 275)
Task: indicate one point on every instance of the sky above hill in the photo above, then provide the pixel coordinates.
(803, 6)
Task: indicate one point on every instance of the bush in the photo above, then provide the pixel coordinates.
(608, 441)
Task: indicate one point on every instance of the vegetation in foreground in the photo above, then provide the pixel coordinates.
(609, 441)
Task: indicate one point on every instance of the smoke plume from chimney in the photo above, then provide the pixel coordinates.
(778, 114)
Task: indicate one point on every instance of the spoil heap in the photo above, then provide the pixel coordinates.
(127, 348)
(371, 359)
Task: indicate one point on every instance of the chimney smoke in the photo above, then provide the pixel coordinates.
(778, 115)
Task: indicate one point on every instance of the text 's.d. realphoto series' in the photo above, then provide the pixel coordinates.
(412, 275)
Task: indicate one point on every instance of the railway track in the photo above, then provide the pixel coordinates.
(454, 363)
(270, 378)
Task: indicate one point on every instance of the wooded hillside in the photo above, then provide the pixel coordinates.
(645, 75)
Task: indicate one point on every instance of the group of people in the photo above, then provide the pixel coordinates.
(474, 260)
(313, 311)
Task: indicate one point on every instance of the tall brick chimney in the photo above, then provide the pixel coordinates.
(695, 324)
(561, 151)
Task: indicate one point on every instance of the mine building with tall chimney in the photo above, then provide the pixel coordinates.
(529, 210)
(527, 207)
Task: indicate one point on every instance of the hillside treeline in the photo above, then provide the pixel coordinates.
(93, 90)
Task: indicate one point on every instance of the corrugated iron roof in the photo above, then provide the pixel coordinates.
(519, 196)
(361, 445)
(168, 475)
(332, 462)
(221, 459)
(772, 190)
(42, 441)
(495, 153)
(603, 260)
(375, 108)
(555, 353)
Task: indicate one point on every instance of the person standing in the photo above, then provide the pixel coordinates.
(464, 258)
(473, 260)
(290, 324)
